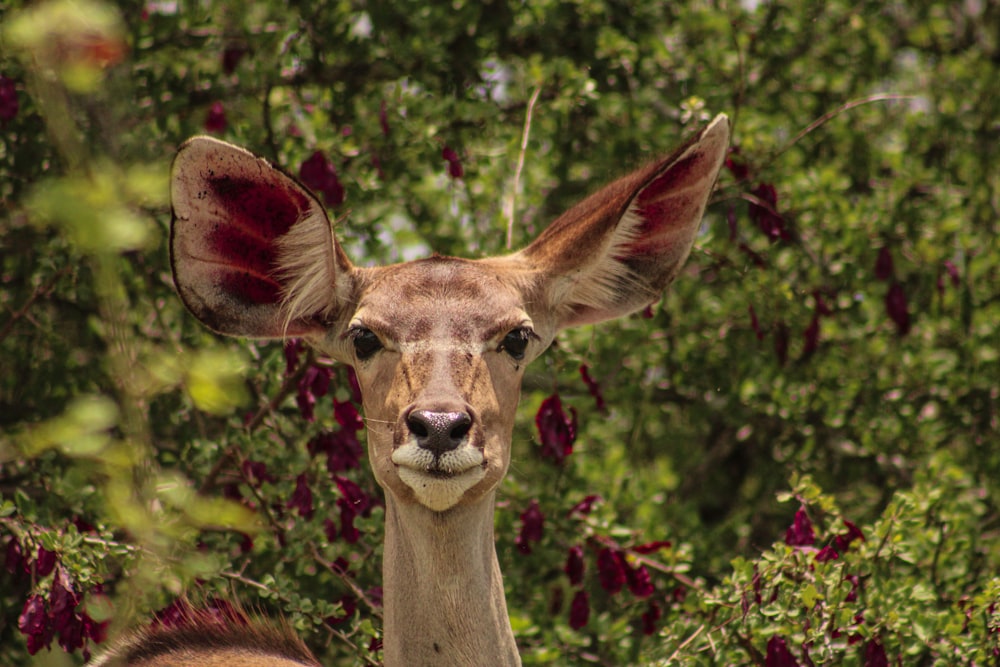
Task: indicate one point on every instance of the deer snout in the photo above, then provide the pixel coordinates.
(439, 431)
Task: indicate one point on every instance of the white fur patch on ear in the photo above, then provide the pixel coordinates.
(307, 270)
(603, 275)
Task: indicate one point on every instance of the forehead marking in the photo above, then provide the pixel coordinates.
(442, 345)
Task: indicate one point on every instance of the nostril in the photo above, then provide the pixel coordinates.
(439, 432)
(461, 427)
(417, 426)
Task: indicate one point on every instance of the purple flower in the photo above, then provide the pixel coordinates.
(44, 562)
(883, 264)
(852, 595)
(215, 119)
(34, 623)
(579, 610)
(556, 431)
(63, 600)
(825, 554)
(343, 449)
(293, 348)
(638, 581)
(231, 57)
(255, 472)
(532, 527)
(651, 547)
(347, 416)
(736, 165)
(347, 515)
(15, 563)
(454, 164)
(875, 654)
(330, 530)
(778, 654)
(575, 565)
(9, 104)
(302, 498)
(800, 533)
(383, 118)
(586, 505)
(765, 213)
(611, 570)
(650, 618)
(593, 388)
(353, 494)
(843, 541)
(895, 306)
(755, 324)
(71, 635)
(952, 271)
(349, 605)
(317, 174)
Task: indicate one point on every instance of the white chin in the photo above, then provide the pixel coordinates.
(439, 493)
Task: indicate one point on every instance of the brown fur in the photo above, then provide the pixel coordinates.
(234, 639)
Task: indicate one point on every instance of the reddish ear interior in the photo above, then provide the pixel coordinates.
(666, 208)
(615, 252)
(233, 217)
(244, 250)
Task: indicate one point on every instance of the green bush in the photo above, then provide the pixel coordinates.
(791, 461)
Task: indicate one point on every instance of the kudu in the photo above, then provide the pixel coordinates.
(439, 346)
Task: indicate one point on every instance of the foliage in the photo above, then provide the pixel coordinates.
(790, 461)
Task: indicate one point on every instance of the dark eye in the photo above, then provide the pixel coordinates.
(515, 342)
(366, 343)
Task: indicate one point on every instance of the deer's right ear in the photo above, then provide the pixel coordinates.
(252, 251)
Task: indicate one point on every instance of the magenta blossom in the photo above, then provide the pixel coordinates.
(556, 431)
(318, 174)
(532, 527)
(575, 566)
(778, 654)
(215, 119)
(800, 533)
(611, 570)
(454, 163)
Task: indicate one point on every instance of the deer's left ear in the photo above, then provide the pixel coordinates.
(616, 251)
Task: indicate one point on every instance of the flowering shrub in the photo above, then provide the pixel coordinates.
(789, 461)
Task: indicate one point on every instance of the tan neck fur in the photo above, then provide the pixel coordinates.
(444, 598)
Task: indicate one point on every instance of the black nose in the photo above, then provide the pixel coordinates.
(439, 432)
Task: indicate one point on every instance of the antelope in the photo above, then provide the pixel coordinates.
(439, 346)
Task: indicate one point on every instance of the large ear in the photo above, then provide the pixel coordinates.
(616, 251)
(252, 250)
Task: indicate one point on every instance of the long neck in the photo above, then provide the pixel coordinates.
(443, 592)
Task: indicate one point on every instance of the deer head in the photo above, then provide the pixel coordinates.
(440, 344)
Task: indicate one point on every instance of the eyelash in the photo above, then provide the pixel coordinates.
(516, 342)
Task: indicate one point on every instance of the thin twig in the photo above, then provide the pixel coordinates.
(246, 581)
(346, 580)
(512, 200)
(39, 292)
(830, 115)
(684, 644)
